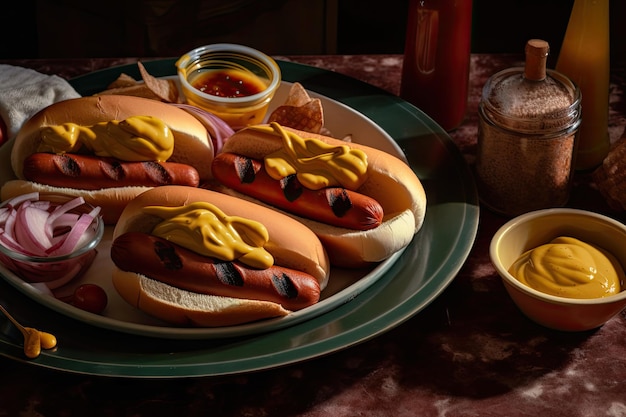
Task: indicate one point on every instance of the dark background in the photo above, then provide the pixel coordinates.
(158, 28)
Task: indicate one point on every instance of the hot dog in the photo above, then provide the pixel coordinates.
(321, 162)
(165, 273)
(333, 205)
(109, 149)
(158, 258)
(93, 173)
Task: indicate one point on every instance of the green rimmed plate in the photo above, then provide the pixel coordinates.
(402, 288)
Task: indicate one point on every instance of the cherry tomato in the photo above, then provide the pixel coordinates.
(90, 297)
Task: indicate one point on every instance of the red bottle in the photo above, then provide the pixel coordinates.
(435, 73)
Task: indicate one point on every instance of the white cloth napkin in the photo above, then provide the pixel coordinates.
(23, 92)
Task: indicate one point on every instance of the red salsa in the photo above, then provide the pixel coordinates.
(228, 83)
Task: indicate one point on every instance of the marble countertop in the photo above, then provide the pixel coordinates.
(469, 353)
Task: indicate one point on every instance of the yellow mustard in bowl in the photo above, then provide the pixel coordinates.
(569, 267)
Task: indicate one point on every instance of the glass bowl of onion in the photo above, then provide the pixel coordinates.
(49, 238)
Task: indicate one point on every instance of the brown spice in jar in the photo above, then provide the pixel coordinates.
(524, 173)
(535, 106)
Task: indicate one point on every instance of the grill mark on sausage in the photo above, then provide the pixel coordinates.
(228, 274)
(157, 172)
(112, 169)
(166, 253)
(338, 200)
(67, 165)
(292, 188)
(246, 169)
(284, 285)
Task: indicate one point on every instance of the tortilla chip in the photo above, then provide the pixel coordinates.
(300, 111)
(298, 96)
(163, 88)
(308, 117)
(150, 87)
(124, 80)
(138, 90)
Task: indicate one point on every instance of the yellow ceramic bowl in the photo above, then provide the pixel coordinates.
(211, 77)
(536, 228)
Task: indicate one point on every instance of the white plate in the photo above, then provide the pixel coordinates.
(343, 285)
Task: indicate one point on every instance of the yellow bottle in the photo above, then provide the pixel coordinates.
(584, 58)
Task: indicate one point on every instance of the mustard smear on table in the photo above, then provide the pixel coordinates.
(568, 267)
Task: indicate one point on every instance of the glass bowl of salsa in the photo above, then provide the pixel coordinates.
(234, 82)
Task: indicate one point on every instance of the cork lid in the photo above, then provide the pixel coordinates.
(532, 92)
(537, 51)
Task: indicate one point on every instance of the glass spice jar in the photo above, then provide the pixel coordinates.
(527, 135)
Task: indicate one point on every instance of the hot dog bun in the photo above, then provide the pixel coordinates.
(390, 181)
(290, 243)
(192, 143)
(186, 308)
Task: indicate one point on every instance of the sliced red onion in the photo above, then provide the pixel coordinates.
(73, 237)
(218, 129)
(9, 242)
(31, 229)
(36, 227)
(42, 204)
(63, 209)
(16, 201)
(9, 222)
